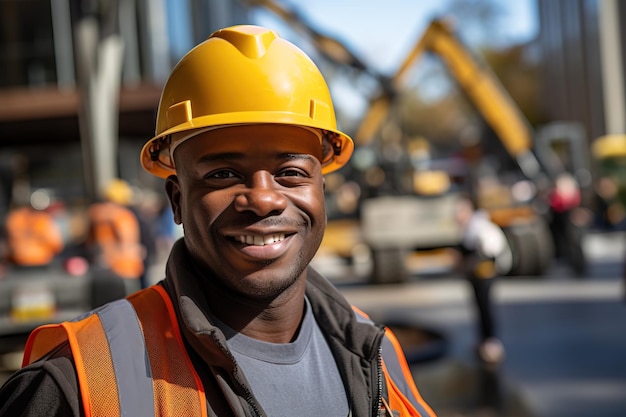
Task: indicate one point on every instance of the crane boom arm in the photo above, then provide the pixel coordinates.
(477, 81)
(482, 86)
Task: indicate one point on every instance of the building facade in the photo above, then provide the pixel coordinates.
(52, 51)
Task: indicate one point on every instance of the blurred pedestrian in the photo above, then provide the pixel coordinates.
(114, 235)
(34, 239)
(565, 199)
(147, 207)
(486, 256)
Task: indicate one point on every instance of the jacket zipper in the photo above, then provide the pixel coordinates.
(249, 397)
(383, 409)
(248, 394)
(379, 393)
(251, 401)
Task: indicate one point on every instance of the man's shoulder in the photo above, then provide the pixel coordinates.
(45, 387)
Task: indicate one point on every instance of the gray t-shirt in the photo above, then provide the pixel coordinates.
(297, 378)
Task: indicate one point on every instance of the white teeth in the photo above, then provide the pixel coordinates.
(257, 240)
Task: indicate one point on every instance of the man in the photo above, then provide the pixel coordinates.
(33, 236)
(241, 325)
(567, 233)
(114, 237)
(486, 256)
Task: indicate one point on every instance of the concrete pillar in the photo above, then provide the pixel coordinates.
(612, 67)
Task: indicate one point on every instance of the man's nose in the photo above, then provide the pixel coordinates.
(263, 195)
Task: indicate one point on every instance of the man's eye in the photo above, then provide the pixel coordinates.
(291, 173)
(222, 174)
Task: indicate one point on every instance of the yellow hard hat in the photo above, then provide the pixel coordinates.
(118, 191)
(244, 75)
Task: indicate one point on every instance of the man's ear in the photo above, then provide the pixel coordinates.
(172, 189)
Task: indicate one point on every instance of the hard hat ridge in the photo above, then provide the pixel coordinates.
(254, 47)
(244, 75)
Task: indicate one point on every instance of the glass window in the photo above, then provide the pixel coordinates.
(26, 43)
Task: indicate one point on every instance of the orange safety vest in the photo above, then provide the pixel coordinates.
(401, 397)
(114, 236)
(34, 238)
(117, 369)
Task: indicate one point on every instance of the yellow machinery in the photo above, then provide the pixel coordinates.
(527, 230)
(609, 153)
(396, 225)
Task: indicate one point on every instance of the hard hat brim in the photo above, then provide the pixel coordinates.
(158, 160)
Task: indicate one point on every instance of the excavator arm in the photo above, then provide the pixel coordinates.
(392, 227)
(477, 81)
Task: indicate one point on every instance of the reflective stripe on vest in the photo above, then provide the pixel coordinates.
(130, 358)
(402, 395)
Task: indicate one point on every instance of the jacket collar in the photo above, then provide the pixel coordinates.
(332, 311)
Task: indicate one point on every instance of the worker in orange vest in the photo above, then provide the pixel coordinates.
(33, 236)
(113, 239)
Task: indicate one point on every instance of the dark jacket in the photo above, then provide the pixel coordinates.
(356, 344)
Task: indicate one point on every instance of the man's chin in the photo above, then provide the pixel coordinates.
(264, 284)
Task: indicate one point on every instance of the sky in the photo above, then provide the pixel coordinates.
(382, 32)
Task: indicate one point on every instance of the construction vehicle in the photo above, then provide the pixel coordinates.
(609, 154)
(523, 220)
(400, 217)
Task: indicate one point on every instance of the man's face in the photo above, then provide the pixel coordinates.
(251, 201)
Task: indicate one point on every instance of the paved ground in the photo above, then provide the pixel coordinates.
(565, 339)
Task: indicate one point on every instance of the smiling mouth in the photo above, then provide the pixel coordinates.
(258, 240)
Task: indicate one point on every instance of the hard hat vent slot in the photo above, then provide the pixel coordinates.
(252, 41)
(319, 110)
(179, 113)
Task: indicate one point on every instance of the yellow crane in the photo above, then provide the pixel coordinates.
(394, 225)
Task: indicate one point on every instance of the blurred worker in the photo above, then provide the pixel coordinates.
(114, 235)
(34, 238)
(486, 255)
(146, 208)
(564, 200)
(610, 210)
(241, 324)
